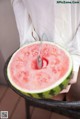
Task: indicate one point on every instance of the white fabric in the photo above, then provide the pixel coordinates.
(51, 21)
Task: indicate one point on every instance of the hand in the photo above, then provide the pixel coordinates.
(72, 81)
(74, 92)
(66, 90)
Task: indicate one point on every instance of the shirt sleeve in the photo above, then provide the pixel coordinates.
(75, 51)
(23, 22)
(74, 44)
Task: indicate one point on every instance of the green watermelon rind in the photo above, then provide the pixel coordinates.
(50, 91)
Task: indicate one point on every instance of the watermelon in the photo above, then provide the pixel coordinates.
(24, 74)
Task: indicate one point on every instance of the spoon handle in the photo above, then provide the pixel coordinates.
(39, 58)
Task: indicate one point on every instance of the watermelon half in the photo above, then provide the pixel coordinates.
(25, 76)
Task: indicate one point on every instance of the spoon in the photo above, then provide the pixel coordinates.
(39, 58)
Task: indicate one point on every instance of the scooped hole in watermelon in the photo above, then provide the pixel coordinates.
(44, 64)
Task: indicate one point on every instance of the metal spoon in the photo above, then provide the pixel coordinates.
(39, 59)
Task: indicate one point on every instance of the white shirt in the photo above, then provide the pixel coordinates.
(52, 21)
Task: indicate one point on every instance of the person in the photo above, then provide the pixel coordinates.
(53, 21)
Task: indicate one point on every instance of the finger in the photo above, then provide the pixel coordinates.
(74, 78)
(66, 90)
(58, 97)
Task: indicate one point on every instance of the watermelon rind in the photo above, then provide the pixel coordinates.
(51, 90)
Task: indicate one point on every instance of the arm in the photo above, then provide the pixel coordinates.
(75, 52)
(23, 22)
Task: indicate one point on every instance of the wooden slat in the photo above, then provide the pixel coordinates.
(31, 110)
(20, 112)
(9, 101)
(41, 114)
(58, 116)
(3, 90)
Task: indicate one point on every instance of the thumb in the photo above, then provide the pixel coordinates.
(74, 77)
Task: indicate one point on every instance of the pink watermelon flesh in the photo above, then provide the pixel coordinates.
(25, 73)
